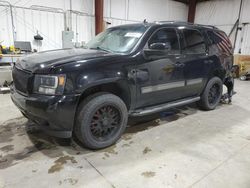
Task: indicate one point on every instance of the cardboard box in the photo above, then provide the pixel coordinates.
(239, 58)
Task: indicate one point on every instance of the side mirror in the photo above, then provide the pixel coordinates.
(157, 50)
(158, 46)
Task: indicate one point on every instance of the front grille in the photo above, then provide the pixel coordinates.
(21, 80)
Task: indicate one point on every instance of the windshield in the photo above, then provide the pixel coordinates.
(118, 39)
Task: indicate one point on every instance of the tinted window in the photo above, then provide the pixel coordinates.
(213, 38)
(194, 42)
(168, 37)
(220, 40)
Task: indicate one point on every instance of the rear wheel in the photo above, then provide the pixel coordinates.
(211, 96)
(101, 120)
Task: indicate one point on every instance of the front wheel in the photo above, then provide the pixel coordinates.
(211, 96)
(101, 120)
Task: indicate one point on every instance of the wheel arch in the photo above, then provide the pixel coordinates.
(220, 73)
(117, 87)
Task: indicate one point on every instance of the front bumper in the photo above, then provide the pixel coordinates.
(54, 114)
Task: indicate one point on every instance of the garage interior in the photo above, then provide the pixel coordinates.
(180, 147)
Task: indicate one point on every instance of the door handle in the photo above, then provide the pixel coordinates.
(132, 74)
(142, 75)
(180, 65)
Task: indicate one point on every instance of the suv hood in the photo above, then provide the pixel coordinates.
(49, 59)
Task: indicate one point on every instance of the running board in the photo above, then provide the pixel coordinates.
(158, 108)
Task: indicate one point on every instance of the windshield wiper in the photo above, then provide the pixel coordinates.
(99, 48)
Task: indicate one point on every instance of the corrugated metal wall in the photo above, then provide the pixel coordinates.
(51, 24)
(223, 14)
(48, 24)
(119, 12)
(83, 27)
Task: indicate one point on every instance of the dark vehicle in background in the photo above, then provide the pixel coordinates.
(129, 70)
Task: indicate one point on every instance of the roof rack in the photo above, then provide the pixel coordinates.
(185, 23)
(210, 26)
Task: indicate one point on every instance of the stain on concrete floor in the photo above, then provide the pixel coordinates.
(125, 145)
(49, 146)
(51, 150)
(7, 148)
(148, 174)
(19, 127)
(10, 128)
(146, 150)
(138, 124)
(248, 137)
(109, 150)
(12, 159)
(68, 181)
(127, 136)
(59, 163)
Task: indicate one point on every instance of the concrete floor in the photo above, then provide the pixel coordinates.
(185, 147)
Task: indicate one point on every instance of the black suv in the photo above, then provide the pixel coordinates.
(129, 70)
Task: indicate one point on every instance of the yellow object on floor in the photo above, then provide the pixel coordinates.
(12, 48)
(243, 61)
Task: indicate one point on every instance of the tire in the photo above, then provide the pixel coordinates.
(101, 120)
(211, 96)
(243, 78)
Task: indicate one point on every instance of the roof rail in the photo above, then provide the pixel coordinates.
(185, 23)
(210, 26)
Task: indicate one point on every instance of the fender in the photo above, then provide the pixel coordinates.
(118, 79)
(217, 69)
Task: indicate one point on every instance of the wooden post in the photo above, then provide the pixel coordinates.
(98, 16)
(191, 10)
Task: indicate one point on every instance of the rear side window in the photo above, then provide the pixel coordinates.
(221, 40)
(194, 42)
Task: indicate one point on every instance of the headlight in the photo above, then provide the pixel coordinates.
(49, 85)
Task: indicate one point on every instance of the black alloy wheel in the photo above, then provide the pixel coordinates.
(101, 120)
(105, 122)
(211, 95)
(214, 94)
